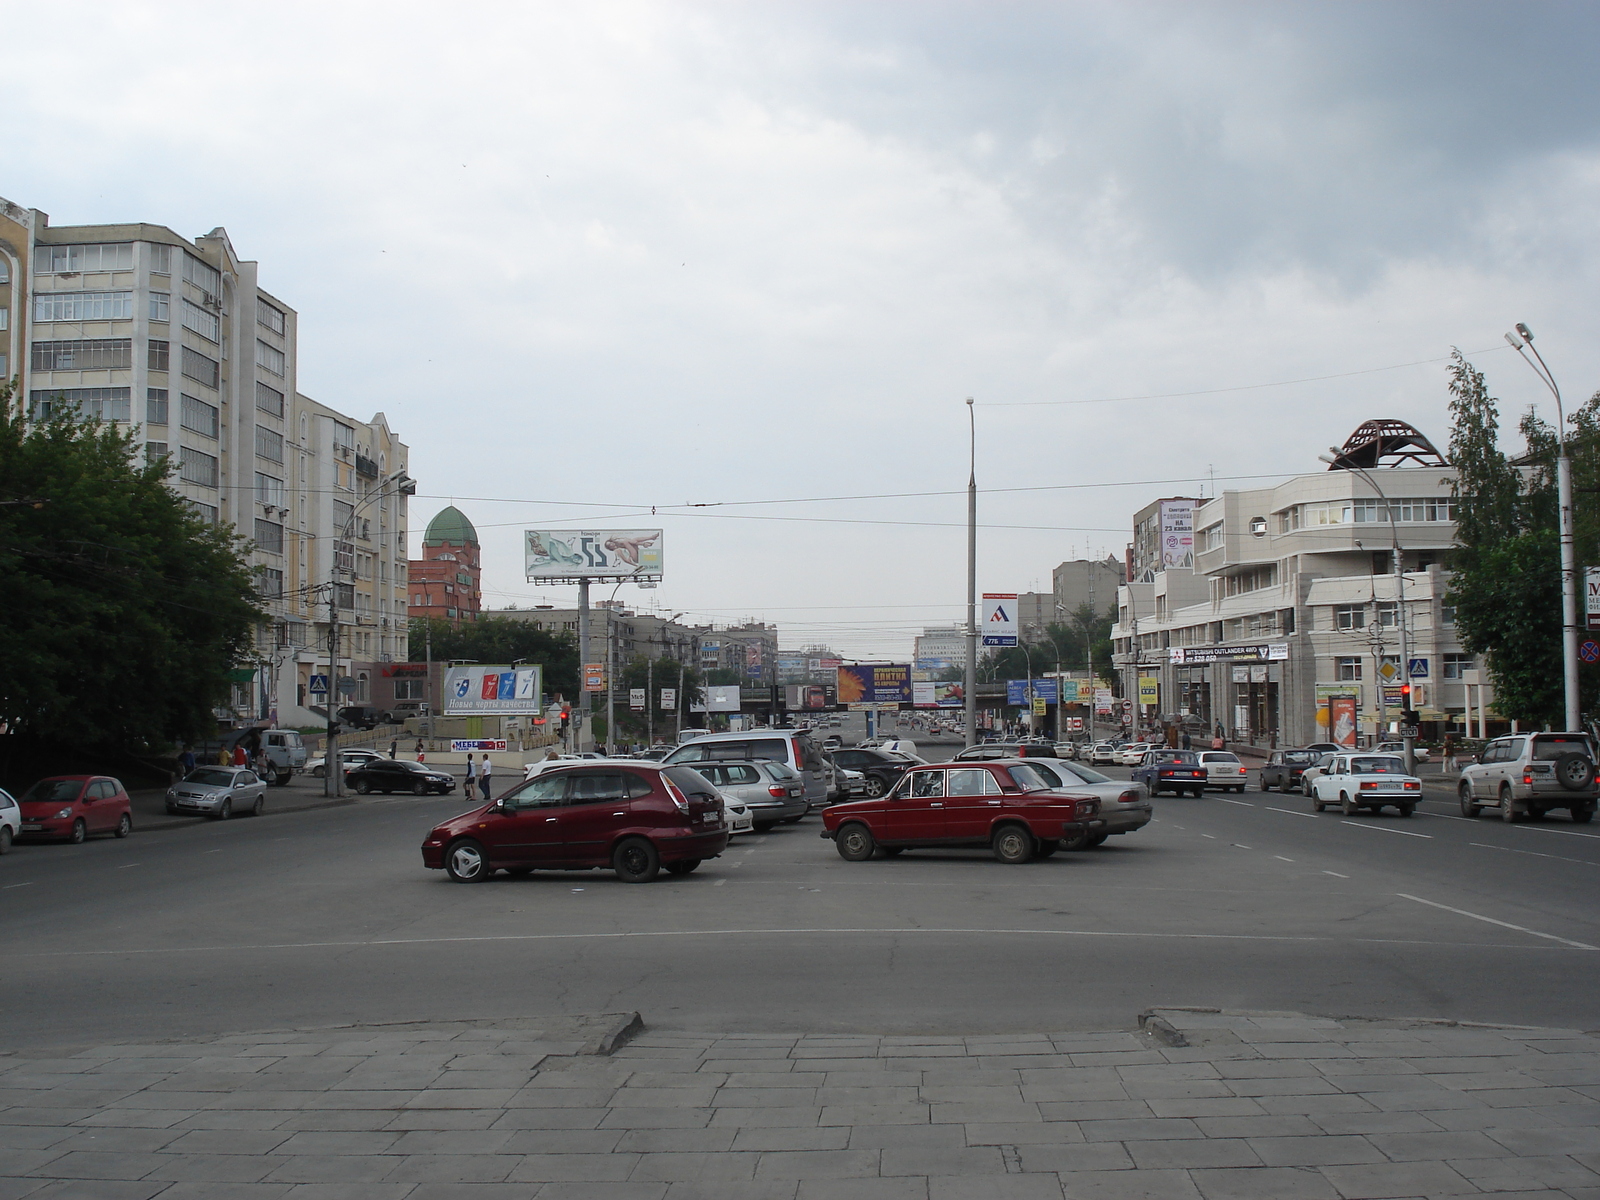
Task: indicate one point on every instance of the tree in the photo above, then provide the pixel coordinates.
(640, 673)
(124, 611)
(503, 640)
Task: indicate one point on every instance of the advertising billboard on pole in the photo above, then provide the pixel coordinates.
(563, 555)
(480, 691)
(888, 683)
(999, 619)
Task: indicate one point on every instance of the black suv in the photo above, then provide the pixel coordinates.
(362, 717)
(882, 770)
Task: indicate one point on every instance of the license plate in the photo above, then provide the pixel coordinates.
(32, 828)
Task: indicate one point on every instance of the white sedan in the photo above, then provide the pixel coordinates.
(1223, 769)
(1357, 781)
(1102, 753)
(737, 814)
(1132, 754)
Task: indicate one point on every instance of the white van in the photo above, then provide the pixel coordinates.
(794, 749)
(688, 735)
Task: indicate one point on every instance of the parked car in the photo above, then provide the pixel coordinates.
(362, 716)
(1223, 769)
(737, 815)
(852, 784)
(795, 750)
(349, 759)
(10, 821)
(654, 753)
(1123, 807)
(389, 775)
(1067, 750)
(282, 753)
(881, 771)
(403, 710)
(990, 751)
(832, 742)
(1308, 775)
(1103, 754)
(1528, 774)
(1132, 754)
(1175, 771)
(218, 792)
(636, 818)
(1418, 753)
(72, 807)
(1328, 748)
(772, 791)
(1283, 767)
(1357, 781)
(1019, 813)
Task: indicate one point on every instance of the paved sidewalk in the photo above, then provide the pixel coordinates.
(1199, 1104)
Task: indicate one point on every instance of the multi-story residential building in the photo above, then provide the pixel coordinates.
(750, 649)
(177, 340)
(446, 582)
(1289, 622)
(940, 648)
(649, 635)
(1086, 581)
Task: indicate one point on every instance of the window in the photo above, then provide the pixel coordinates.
(269, 490)
(160, 306)
(1347, 669)
(202, 320)
(206, 512)
(108, 404)
(1350, 616)
(68, 260)
(1388, 613)
(1252, 581)
(154, 451)
(82, 306)
(200, 368)
(342, 513)
(84, 354)
(159, 356)
(271, 587)
(203, 275)
(1447, 614)
(1454, 664)
(269, 444)
(269, 536)
(195, 466)
(269, 400)
(161, 261)
(272, 318)
(198, 416)
(344, 437)
(269, 358)
(155, 406)
(1289, 519)
(1211, 537)
(5, 319)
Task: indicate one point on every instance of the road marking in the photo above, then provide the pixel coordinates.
(1446, 816)
(1336, 875)
(1386, 829)
(1534, 854)
(9, 886)
(213, 851)
(1293, 812)
(1207, 835)
(1503, 924)
(1281, 858)
(125, 866)
(1246, 803)
(1562, 832)
(719, 883)
(1242, 846)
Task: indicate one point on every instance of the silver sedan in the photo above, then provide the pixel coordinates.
(1124, 807)
(218, 792)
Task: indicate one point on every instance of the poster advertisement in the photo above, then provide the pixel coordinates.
(493, 691)
(1342, 720)
(1177, 534)
(669, 698)
(938, 695)
(1103, 700)
(999, 619)
(889, 683)
(723, 699)
(463, 745)
(563, 554)
(1149, 690)
(636, 699)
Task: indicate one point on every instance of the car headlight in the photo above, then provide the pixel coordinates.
(65, 812)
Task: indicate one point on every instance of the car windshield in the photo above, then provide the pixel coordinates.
(210, 775)
(1299, 757)
(1034, 778)
(1548, 749)
(1174, 756)
(1377, 766)
(48, 791)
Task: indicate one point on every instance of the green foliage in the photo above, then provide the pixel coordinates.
(1508, 604)
(502, 640)
(1068, 644)
(124, 610)
(637, 672)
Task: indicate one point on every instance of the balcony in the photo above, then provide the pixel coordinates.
(366, 467)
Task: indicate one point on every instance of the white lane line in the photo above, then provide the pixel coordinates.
(1207, 835)
(213, 851)
(1293, 812)
(9, 886)
(1336, 875)
(1534, 854)
(125, 866)
(1246, 803)
(1446, 816)
(1281, 858)
(719, 883)
(1562, 832)
(1503, 924)
(1386, 829)
(1242, 846)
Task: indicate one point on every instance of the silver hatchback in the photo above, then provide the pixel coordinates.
(218, 792)
(771, 791)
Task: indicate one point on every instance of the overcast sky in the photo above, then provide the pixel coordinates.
(594, 258)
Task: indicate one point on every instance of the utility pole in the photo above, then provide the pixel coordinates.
(650, 700)
(970, 699)
(583, 729)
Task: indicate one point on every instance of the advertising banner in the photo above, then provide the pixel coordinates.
(1342, 720)
(669, 698)
(1103, 700)
(1043, 689)
(556, 555)
(1259, 652)
(1177, 534)
(922, 695)
(493, 691)
(938, 695)
(463, 745)
(999, 619)
(1070, 692)
(1039, 707)
(865, 684)
(1591, 593)
(1149, 690)
(594, 677)
(724, 698)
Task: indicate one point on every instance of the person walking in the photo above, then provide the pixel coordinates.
(394, 747)
(1188, 743)
(240, 758)
(483, 777)
(472, 776)
(419, 750)
(186, 760)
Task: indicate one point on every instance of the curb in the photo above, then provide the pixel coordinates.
(621, 1028)
(174, 822)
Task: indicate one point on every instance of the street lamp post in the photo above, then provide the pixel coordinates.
(970, 699)
(1522, 341)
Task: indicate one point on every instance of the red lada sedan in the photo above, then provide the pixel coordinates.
(71, 807)
(634, 818)
(1010, 806)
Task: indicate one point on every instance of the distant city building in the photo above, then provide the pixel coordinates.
(446, 580)
(1082, 581)
(637, 634)
(939, 648)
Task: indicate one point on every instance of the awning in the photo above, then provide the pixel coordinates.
(242, 675)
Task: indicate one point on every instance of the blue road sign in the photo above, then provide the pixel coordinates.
(1589, 651)
(318, 685)
(1418, 668)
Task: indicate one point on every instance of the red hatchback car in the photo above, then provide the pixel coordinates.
(71, 807)
(1010, 806)
(635, 819)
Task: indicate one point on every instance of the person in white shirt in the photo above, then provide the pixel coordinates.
(483, 777)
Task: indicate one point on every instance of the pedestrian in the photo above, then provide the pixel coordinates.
(186, 760)
(240, 758)
(483, 777)
(419, 750)
(1188, 743)
(394, 747)
(472, 775)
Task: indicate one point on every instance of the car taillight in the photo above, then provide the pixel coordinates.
(1527, 777)
(777, 791)
(1128, 798)
(678, 798)
(1365, 787)
(1413, 787)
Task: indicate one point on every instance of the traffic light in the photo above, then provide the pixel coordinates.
(566, 717)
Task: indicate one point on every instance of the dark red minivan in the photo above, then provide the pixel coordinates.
(635, 819)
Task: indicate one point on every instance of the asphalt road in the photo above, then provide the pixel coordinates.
(327, 916)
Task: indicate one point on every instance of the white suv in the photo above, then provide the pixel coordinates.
(1527, 774)
(10, 820)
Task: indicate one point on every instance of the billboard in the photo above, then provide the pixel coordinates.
(1177, 534)
(724, 698)
(889, 683)
(558, 555)
(493, 691)
(1149, 690)
(1259, 652)
(999, 619)
(1043, 689)
(938, 695)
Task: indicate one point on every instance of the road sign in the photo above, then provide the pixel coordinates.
(1591, 592)
(318, 685)
(636, 699)
(594, 677)
(1127, 706)
(1589, 651)
(1388, 670)
(999, 618)
(1039, 706)
(346, 685)
(1418, 668)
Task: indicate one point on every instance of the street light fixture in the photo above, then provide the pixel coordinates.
(1522, 342)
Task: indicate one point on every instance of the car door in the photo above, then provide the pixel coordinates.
(99, 814)
(524, 828)
(1478, 773)
(255, 788)
(596, 806)
(913, 812)
(972, 797)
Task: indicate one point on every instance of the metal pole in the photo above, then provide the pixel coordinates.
(332, 768)
(611, 679)
(582, 731)
(649, 700)
(1400, 622)
(970, 709)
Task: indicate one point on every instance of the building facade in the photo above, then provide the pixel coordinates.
(940, 648)
(446, 582)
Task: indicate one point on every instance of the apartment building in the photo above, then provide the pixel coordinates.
(177, 339)
(637, 634)
(750, 649)
(1291, 616)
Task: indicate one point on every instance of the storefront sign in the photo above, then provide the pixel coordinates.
(1149, 690)
(1260, 652)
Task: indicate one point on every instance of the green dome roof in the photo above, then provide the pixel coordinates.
(451, 525)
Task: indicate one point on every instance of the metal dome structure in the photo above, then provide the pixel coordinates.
(1386, 443)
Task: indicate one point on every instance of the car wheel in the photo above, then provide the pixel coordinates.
(1508, 804)
(1012, 844)
(1045, 849)
(1076, 839)
(80, 831)
(1198, 793)
(318, 772)
(1347, 804)
(419, 788)
(875, 787)
(362, 787)
(260, 806)
(1407, 809)
(682, 866)
(466, 862)
(124, 825)
(1317, 806)
(282, 780)
(1098, 839)
(226, 811)
(635, 861)
(1469, 806)
(1582, 815)
(5, 839)
(855, 842)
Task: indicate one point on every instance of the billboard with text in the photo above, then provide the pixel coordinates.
(480, 691)
(887, 683)
(570, 554)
